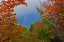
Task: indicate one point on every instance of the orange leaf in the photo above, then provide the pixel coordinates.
(49, 0)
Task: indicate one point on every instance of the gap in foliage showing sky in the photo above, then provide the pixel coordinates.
(26, 15)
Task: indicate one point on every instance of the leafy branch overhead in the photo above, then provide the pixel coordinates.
(53, 10)
(7, 18)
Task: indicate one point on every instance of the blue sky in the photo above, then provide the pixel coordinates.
(27, 15)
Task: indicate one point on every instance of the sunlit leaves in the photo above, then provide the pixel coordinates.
(45, 15)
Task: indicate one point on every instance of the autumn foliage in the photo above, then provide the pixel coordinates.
(54, 11)
(7, 18)
(50, 26)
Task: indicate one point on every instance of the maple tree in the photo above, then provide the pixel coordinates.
(54, 11)
(7, 18)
